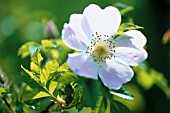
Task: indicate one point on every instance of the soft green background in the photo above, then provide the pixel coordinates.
(22, 21)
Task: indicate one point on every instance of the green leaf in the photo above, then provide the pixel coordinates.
(28, 72)
(2, 90)
(48, 44)
(63, 51)
(31, 80)
(37, 58)
(34, 95)
(44, 77)
(91, 92)
(53, 85)
(66, 78)
(24, 50)
(35, 68)
(4, 107)
(123, 8)
(78, 94)
(123, 93)
(100, 106)
(126, 10)
(147, 77)
(50, 68)
(40, 95)
(63, 68)
(118, 107)
(126, 27)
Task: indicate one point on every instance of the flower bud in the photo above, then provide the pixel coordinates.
(51, 30)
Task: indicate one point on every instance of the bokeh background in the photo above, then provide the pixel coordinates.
(22, 21)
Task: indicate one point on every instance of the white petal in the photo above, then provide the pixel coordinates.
(129, 50)
(73, 34)
(138, 39)
(114, 74)
(130, 56)
(83, 65)
(105, 22)
(86, 28)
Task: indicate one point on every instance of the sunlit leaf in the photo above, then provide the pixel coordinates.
(29, 78)
(24, 50)
(48, 44)
(53, 85)
(28, 72)
(2, 90)
(50, 68)
(126, 27)
(34, 68)
(44, 77)
(40, 95)
(37, 58)
(63, 68)
(34, 95)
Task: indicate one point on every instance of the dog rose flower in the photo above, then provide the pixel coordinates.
(92, 33)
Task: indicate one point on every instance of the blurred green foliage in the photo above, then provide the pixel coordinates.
(24, 22)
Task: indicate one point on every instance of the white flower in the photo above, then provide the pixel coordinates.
(101, 54)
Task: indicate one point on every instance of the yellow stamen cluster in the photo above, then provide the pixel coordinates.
(101, 48)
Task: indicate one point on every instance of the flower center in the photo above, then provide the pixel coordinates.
(101, 48)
